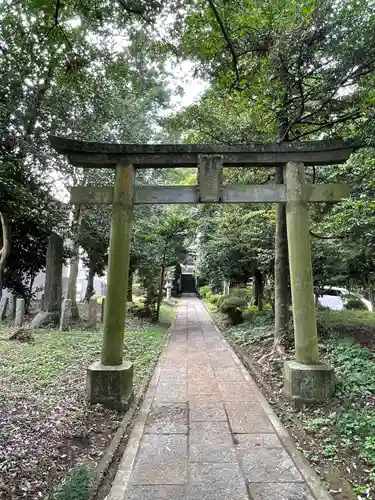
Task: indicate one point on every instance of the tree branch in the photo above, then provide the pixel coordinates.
(56, 18)
(227, 39)
(343, 119)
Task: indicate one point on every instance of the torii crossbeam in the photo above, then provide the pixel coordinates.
(110, 381)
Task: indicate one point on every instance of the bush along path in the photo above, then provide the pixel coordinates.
(338, 438)
(49, 433)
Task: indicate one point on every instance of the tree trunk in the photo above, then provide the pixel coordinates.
(281, 248)
(72, 283)
(30, 294)
(129, 297)
(90, 282)
(160, 294)
(258, 289)
(5, 250)
(281, 269)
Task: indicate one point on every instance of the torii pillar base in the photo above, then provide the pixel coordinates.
(308, 384)
(111, 386)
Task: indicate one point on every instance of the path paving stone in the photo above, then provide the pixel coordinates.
(167, 418)
(247, 418)
(155, 493)
(280, 491)
(207, 412)
(202, 432)
(211, 442)
(216, 482)
(162, 459)
(263, 459)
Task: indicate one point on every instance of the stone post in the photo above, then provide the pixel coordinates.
(93, 303)
(12, 306)
(53, 283)
(305, 379)
(20, 312)
(4, 303)
(66, 314)
(168, 287)
(111, 381)
(51, 306)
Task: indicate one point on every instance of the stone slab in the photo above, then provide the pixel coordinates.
(263, 459)
(236, 391)
(162, 459)
(207, 412)
(221, 481)
(167, 418)
(228, 374)
(280, 491)
(248, 418)
(211, 442)
(155, 493)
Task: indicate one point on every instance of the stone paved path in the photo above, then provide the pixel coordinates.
(204, 429)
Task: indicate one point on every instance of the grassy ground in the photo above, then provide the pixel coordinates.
(338, 438)
(47, 427)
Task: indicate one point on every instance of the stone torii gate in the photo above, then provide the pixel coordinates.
(110, 381)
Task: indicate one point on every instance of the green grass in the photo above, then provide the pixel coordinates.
(76, 485)
(37, 366)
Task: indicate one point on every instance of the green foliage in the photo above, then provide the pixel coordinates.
(204, 290)
(217, 298)
(355, 304)
(354, 366)
(76, 485)
(352, 323)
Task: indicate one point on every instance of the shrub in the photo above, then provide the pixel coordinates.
(204, 290)
(355, 304)
(352, 323)
(232, 306)
(215, 298)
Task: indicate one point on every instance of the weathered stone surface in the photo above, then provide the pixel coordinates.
(53, 282)
(20, 312)
(264, 459)
(161, 459)
(93, 306)
(301, 281)
(118, 266)
(66, 315)
(4, 302)
(12, 306)
(279, 491)
(221, 481)
(111, 386)
(95, 154)
(308, 383)
(167, 418)
(236, 391)
(207, 412)
(211, 442)
(247, 418)
(164, 492)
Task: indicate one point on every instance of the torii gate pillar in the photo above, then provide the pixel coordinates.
(305, 379)
(110, 382)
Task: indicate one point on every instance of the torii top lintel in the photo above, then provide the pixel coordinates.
(108, 155)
